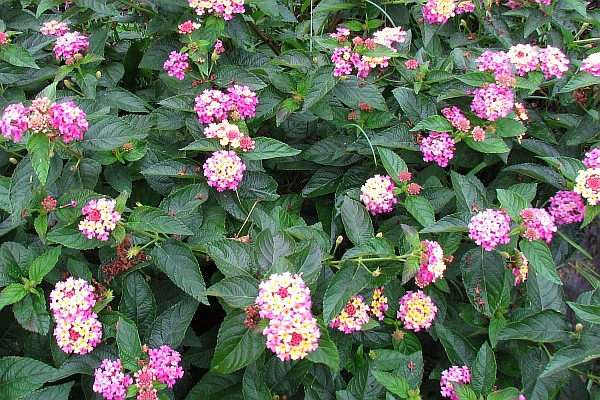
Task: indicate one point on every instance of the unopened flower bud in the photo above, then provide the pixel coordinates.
(98, 74)
(379, 234)
(13, 160)
(339, 240)
(579, 327)
(73, 168)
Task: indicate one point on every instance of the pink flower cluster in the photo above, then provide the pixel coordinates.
(490, 228)
(478, 134)
(379, 304)
(63, 120)
(492, 101)
(378, 194)
(524, 58)
(224, 170)
(292, 332)
(440, 11)
(54, 28)
(538, 224)
(432, 263)
(187, 27)
(567, 207)
(229, 135)
(417, 310)
(352, 317)
(77, 327)
(238, 103)
(165, 363)
(177, 64)
(587, 184)
(110, 381)
(457, 119)
(100, 219)
(348, 57)
(591, 64)
(592, 158)
(3, 37)
(220, 8)
(452, 375)
(438, 147)
(70, 44)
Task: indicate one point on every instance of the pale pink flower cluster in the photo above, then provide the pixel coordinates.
(539, 224)
(177, 64)
(70, 44)
(591, 64)
(587, 184)
(238, 103)
(490, 228)
(492, 102)
(54, 28)
(379, 304)
(144, 382)
(77, 327)
(452, 375)
(520, 267)
(457, 118)
(293, 332)
(412, 64)
(187, 27)
(523, 58)
(432, 263)
(347, 58)
(438, 147)
(110, 381)
(165, 363)
(63, 120)
(220, 8)
(553, 62)
(440, 11)
(229, 135)
(378, 194)
(592, 158)
(224, 170)
(567, 207)
(352, 317)
(100, 219)
(417, 310)
(478, 134)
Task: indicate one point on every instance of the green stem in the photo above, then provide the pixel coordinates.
(154, 236)
(5, 149)
(478, 168)
(363, 260)
(589, 376)
(383, 11)
(586, 41)
(572, 243)
(368, 141)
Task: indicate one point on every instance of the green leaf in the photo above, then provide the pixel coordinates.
(464, 392)
(308, 262)
(17, 55)
(204, 144)
(265, 148)
(270, 248)
(483, 371)
(540, 259)
(38, 147)
(285, 377)
(393, 383)
(487, 280)
(40, 223)
(543, 326)
(586, 350)
(253, 385)
(137, 301)
(241, 76)
(357, 221)
(179, 263)
(20, 376)
(353, 91)
(585, 312)
(591, 212)
(508, 127)
(505, 394)
(469, 192)
(541, 173)
(109, 133)
(415, 106)
(433, 123)
(476, 79)
(567, 166)
(327, 352)
(535, 387)
(215, 386)
(511, 202)
(32, 314)
(122, 99)
(130, 347)
(237, 346)
(325, 180)
(169, 327)
(236, 291)
(231, 257)
(321, 84)
(457, 222)
(71, 237)
(152, 219)
(580, 80)
(345, 283)
(420, 208)
(491, 145)
(392, 163)
(458, 349)
(11, 294)
(57, 392)
(44, 264)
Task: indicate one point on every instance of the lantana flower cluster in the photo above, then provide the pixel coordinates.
(440, 11)
(285, 300)
(57, 120)
(438, 147)
(162, 366)
(353, 316)
(68, 45)
(462, 124)
(350, 56)
(411, 188)
(539, 224)
(417, 311)
(379, 304)
(213, 105)
(492, 101)
(100, 219)
(229, 135)
(177, 64)
(587, 184)
(224, 170)
(454, 374)
(378, 194)
(591, 64)
(519, 264)
(220, 8)
(432, 263)
(77, 327)
(490, 228)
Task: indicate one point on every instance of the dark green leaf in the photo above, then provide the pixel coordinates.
(476, 79)
(271, 247)
(415, 106)
(11, 294)
(169, 327)
(543, 326)
(580, 80)
(354, 91)
(20, 376)
(540, 259)
(357, 221)
(508, 127)
(585, 312)
(152, 219)
(586, 350)
(321, 84)
(231, 257)
(433, 123)
(253, 385)
(345, 283)
(420, 208)
(266, 148)
(236, 291)
(109, 133)
(57, 392)
(539, 172)
(44, 264)
(17, 55)
(392, 383)
(491, 145)
(483, 371)
(38, 147)
(458, 349)
(32, 314)
(325, 180)
(122, 99)
(130, 347)
(392, 163)
(137, 301)
(511, 202)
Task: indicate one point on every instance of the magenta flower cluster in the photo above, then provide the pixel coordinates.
(100, 219)
(224, 170)
(77, 327)
(417, 311)
(490, 228)
(379, 304)
(110, 381)
(352, 317)
(187, 27)
(378, 194)
(63, 120)
(592, 158)
(432, 263)
(165, 363)
(539, 224)
(213, 105)
(177, 64)
(70, 44)
(220, 8)
(567, 207)
(452, 375)
(285, 300)
(493, 101)
(438, 147)
(457, 118)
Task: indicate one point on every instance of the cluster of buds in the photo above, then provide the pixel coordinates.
(411, 188)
